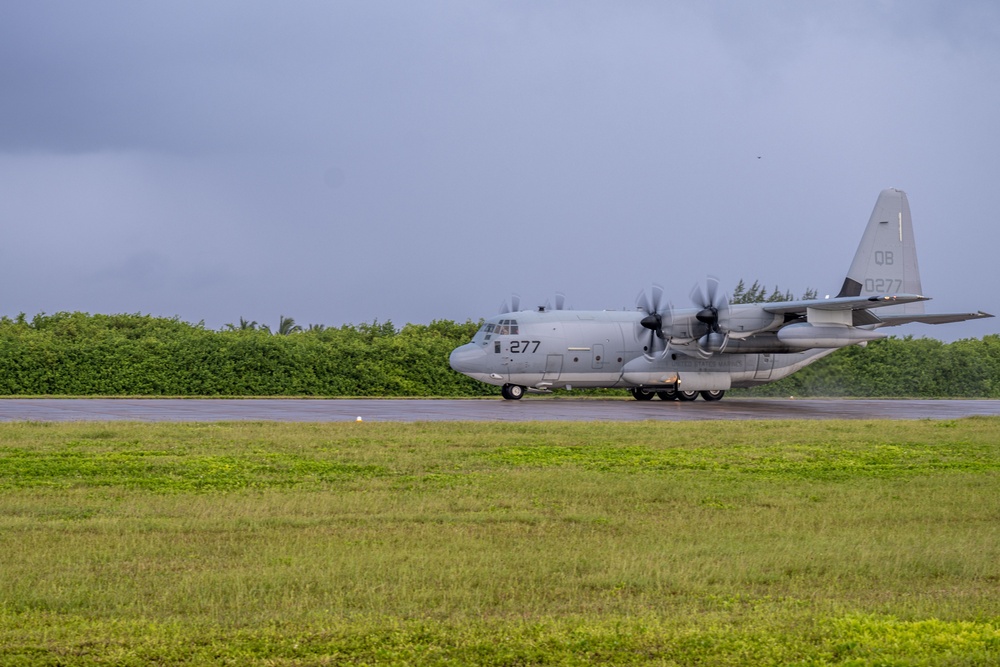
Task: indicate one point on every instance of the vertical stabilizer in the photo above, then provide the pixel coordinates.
(886, 260)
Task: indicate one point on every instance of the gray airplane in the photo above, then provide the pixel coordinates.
(679, 354)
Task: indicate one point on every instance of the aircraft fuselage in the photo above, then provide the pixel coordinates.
(544, 350)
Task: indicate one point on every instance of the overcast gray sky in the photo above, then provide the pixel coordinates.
(341, 162)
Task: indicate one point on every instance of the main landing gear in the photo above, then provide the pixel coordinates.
(640, 394)
(643, 394)
(512, 392)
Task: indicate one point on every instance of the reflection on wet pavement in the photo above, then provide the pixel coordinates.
(543, 409)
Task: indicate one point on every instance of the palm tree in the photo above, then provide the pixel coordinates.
(287, 325)
(245, 325)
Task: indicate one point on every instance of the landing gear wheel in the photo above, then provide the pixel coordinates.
(640, 394)
(512, 392)
(667, 394)
(686, 395)
(713, 394)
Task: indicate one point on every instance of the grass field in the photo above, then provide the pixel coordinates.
(661, 543)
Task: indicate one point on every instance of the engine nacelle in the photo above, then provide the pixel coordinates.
(743, 320)
(748, 319)
(804, 336)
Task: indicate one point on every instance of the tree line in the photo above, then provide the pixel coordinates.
(757, 293)
(141, 355)
(83, 354)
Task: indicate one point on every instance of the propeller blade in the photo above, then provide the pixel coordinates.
(712, 287)
(642, 302)
(515, 303)
(724, 311)
(713, 342)
(657, 298)
(654, 345)
(560, 301)
(714, 305)
(697, 297)
(649, 329)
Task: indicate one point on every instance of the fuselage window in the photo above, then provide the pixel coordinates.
(485, 331)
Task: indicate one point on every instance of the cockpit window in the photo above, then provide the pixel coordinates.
(507, 328)
(501, 328)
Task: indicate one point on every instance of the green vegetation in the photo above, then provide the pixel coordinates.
(75, 354)
(840, 543)
(900, 367)
(116, 355)
(757, 293)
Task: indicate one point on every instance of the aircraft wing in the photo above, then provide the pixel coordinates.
(842, 303)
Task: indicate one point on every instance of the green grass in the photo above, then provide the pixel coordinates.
(722, 543)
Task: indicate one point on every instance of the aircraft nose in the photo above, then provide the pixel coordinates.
(469, 358)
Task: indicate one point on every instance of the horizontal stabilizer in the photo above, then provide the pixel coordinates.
(942, 318)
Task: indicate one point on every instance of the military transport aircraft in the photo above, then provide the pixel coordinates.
(679, 354)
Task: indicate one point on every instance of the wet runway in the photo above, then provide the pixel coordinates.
(545, 409)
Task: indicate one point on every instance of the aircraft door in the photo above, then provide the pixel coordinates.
(553, 367)
(500, 359)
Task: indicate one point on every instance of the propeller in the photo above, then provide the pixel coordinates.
(714, 316)
(515, 305)
(649, 329)
(560, 303)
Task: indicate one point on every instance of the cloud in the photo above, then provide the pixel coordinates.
(341, 162)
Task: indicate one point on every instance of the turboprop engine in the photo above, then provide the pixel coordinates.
(704, 331)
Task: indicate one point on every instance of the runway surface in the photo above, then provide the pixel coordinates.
(308, 410)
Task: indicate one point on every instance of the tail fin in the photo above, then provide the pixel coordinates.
(886, 260)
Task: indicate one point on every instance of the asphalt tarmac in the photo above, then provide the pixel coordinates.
(497, 410)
